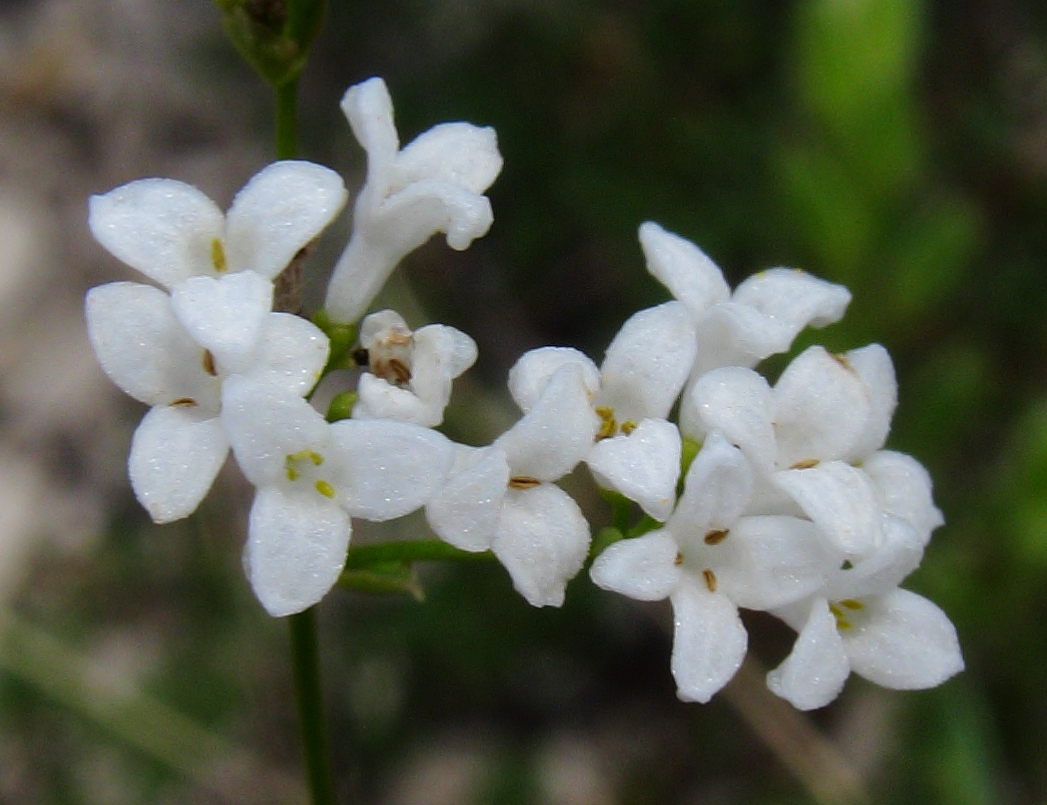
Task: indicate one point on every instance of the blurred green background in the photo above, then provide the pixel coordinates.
(896, 146)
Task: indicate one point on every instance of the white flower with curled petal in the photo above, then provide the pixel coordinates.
(410, 372)
(502, 498)
(434, 184)
(143, 344)
(311, 477)
(637, 451)
(711, 558)
(863, 622)
(812, 435)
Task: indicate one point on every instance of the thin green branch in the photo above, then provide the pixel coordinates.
(306, 655)
(286, 119)
(424, 550)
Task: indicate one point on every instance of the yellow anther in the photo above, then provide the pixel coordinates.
(523, 482)
(710, 579)
(325, 489)
(843, 624)
(208, 363)
(850, 603)
(302, 455)
(292, 473)
(836, 611)
(806, 464)
(218, 256)
(608, 424)
(628, 427)
(715, 537)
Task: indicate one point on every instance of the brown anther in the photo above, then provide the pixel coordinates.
(208, 363)
(679, 559)
(183, 402)
(842, 360)
(400, 371)
(716, 537)
(806, 464)
(523, 482)
(397, 339)
(628, 427)
(710, 579)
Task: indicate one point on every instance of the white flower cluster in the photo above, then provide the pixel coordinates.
(789, 506)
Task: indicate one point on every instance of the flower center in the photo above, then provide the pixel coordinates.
(609, 425)
(844, 610)
(389, 357)
(302, 466)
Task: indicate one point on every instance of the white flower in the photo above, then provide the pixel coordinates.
(311, 477)
(142, 342)
(863, 622)
(410, 373)
(637, 452)
(502, 497)
(170, 231)
(812, 436)
(711, 558)
(434, 184)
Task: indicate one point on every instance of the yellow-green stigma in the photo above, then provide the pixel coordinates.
(218, 256)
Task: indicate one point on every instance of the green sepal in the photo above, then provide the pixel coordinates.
(384, 577)
(341, 406)
(273, 36)
(621, 508)
(342, 338)
(691, 448)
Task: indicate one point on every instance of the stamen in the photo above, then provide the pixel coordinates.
(400, 371)
(710, 579)
(523, 482)
(850, 603)
(628, 427)
(608, 425)
(715, 537)
(847, 564)
(325, 489)
(208, 363)
(398, 339)
(806, 464)
(218, 256)
(183, 402)
(679, 559)
(842, 360)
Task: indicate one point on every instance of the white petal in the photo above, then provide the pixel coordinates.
(903, 488)
(767, 562)
(369, 110)
(448, 350)
(291, 353)
(359, 275)
(265, 425)
(739, 403)
(815, 671)
(143, 348)
(161, 227)
(873, 366)
(465, 512)
(380, 399)
(461, 153)
(822, 409)
(377, 326)
(883, 568)
(557, 433)
(903, 642)
(644, 466)
(643, 568)
(532, 371)
(840, 500)
(648, 362)
(392, 468)
(410, 217)
(709, 642)
(225, 314)
(542, 540)
(793, 299)
(283, 208)
(683, 268)
(716, 491)
(175, 456)
(295, 550)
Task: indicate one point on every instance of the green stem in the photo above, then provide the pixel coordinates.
(286, 118)
(305, 650)
(422, 550)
